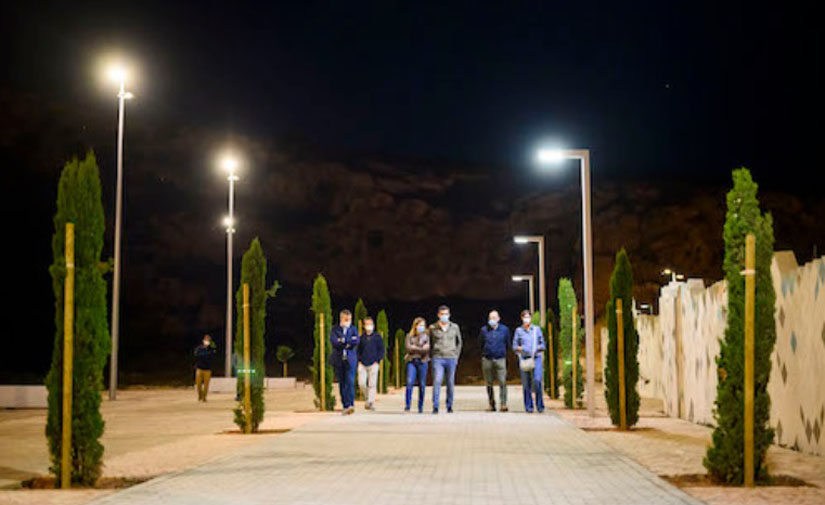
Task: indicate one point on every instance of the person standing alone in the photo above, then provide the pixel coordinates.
(494, 338)
(370, 354)
(528, 344)
(203, 366)
(445, 347)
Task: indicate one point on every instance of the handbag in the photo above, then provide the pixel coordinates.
(529, 364)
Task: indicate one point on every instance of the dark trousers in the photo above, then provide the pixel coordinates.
(345, 373)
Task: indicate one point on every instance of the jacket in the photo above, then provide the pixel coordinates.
(418, 346)
(370, 348)
(344, 342)
(445, 343)
(494, 341)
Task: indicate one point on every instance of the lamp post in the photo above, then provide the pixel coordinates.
(229, 164)
(531, 290)
(117, 74)
(538, 239)
(554, 156)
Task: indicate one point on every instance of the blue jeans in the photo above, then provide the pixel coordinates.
(531, 384)
(346, 381)
(416, 375)
(442, 367)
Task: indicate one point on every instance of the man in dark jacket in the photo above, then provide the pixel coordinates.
(370, 354)
(203, 366)
(494, 339)
(344, 340)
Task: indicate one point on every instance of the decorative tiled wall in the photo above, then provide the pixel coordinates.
(678, 350)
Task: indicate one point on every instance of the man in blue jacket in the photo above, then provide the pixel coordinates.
(370, 354)
(344, 340)
(494, 338)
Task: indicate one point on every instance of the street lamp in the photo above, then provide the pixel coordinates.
(553, 157)
(538, 239)
(230, 164)
(531, 290)
(118, 75)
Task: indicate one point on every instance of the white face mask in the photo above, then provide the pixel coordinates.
(345, 325)
(526, 320)
(206, 343)
(369, 328)
(421, 328)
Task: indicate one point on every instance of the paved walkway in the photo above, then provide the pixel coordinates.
(389, 457)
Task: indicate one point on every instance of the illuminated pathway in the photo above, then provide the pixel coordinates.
(391, 458)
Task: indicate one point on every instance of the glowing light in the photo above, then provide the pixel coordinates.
(550, 155)
(667, 271)
(521, 239)
(117, 73)
(518, 278)
(229, 163)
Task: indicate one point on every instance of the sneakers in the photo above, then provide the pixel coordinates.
(347, 411)
(369, 406)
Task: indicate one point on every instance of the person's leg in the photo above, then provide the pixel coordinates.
(487, 366)
(198, 382)
(362, 377)
(537, 385)
(352, 371)
(411, 380)
(341, 372)
(438, 378)
(450, 370)
(372, 371)
(501, 376)
(526, 385)
(422, 384)
(207, 374)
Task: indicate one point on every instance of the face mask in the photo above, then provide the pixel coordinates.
(526, 320)
(421, 328)
(493, 322)
(206, 343)
(369, 328)
(345, 325)
(444, 319)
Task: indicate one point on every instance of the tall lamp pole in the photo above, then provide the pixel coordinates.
(539, 240)
(229, 164)
(553, 156)
(531, 290)
(118, 74)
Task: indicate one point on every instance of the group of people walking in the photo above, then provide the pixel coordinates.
(438, 344)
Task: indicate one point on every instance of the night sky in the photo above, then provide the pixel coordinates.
(659, 92)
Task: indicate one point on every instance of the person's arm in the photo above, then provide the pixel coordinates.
(458, 342)
(353, 339)
(409, 345)
(539, 342)
(425, 347)
(517, 342)
(335, 339)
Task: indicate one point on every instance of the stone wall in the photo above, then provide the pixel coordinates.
(678, 349)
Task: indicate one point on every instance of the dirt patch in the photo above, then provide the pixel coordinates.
(102, 483)
(703, 480)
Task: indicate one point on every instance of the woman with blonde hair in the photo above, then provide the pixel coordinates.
(416, 357)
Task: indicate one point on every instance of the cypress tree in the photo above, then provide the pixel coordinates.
(321, 304)
(725, 458)
(621, 286)
(253, 272)
(360, 314)
(383, 328)
(567, 301)
(551, 318)
(400, 344)
(79, 202)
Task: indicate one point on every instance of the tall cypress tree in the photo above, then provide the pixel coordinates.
(551, 318)
(79, 202)
(360, 314)
(567, 301)
(621, 286)
(321, 304)
(383, 328)
(253, 272)
(725, 458)
(400, 344)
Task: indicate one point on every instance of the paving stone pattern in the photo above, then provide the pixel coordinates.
(389, 457)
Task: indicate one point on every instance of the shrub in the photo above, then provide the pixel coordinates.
(567, 302)
(321, 304)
